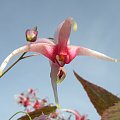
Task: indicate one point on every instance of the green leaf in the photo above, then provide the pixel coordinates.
(45, 110)
(100, 98)
(112, 113)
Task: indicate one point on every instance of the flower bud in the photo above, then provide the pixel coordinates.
(31, 34)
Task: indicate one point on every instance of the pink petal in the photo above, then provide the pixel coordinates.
(43, 48)
(44, 40)
(63, 32)
(72, 52)
(37, 105)
(78, 116)
(76, 113)
(88, 52)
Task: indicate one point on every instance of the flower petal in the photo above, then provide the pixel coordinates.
(44, 40)
(76, 113)
(88, 52)
(63, 32)
(45, 48)
(15, 52)
(53, 75)
(72, 52)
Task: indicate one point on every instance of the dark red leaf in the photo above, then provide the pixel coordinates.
(45, 110)
(100, 98)
(112, 113)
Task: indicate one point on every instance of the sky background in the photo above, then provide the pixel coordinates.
(98, 28)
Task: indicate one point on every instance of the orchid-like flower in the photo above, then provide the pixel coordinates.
(58, 51)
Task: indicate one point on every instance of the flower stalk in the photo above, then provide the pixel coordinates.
(21, 112)
(20, 58)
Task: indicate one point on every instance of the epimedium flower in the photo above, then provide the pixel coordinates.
(58, 51)
(24, 100)
(76, 113)
(39, 104)
(29, 100)
(61, 115)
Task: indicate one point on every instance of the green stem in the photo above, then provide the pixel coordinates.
(21, 112)
(20, 58)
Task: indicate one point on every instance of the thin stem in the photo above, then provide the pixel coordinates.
(20, 58)
(14, 63)
(30, 56)
(21, 112)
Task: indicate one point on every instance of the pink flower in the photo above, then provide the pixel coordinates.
(39, 104)
(31, 93)
(58, 51)
(29, 100)
(76, 113)
(25, 101)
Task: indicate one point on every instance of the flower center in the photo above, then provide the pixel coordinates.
(60, 60)
(60, 57)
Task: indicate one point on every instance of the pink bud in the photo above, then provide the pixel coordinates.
(31, 34)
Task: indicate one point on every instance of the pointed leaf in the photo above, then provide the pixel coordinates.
(100, 98)
(113, 113)
(45, 110)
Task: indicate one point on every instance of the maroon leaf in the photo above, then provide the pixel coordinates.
(112, 113)
(100, 98)
(45, 110)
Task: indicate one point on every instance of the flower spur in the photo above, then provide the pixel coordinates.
(58, 51)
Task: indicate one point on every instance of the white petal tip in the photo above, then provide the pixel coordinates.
(1, 73)
(117, 60)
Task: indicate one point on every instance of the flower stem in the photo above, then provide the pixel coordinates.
(14, 63)
(21, 112)
(20, 58)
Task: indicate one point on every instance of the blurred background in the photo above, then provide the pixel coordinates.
(98, 29)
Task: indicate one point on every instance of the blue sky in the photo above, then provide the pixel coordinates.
(98, 29)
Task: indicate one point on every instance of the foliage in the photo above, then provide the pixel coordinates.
(112, 113)
(102, 100)
(45, 110)
(40, 109)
